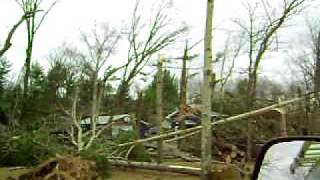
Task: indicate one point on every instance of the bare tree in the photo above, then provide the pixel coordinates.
(91, 64)
(314, 34)
(226, 59)
(100, 46)
(262, 34)
(302, 65)
(142, 49)
(81, 140)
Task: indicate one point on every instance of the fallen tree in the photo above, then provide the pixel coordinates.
(159, 167)
(224, 121)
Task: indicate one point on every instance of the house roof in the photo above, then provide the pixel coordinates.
(104, 119)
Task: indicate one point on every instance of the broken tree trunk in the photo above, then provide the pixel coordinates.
(224, 121)
(158, 167)
(283, 112)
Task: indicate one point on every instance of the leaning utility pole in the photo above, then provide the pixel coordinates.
(183, 82)
(206, 133)
(183, 96)
(159, 106)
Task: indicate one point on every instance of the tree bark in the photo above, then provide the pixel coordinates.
(206, 133)
(317, 65)
(159, 107)
(315, 118)
(250, 102)
(27, 70)
(183, 82)
(94, 104)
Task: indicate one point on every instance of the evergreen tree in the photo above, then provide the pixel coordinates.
(4, 70)
(170, 94)
(37, 105)
(38, 82)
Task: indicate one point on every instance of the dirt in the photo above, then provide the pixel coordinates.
(129, 174)
(221, 173)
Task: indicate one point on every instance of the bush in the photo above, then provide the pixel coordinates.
(98, 152)
(102, 166)
(27, 148)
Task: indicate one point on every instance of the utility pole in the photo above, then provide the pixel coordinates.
(183, 95)
(206, 133)
(159, 106)
(183, 82)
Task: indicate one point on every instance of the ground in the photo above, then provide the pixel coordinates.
(125, 174)
(5, 173)
(135, 174)
(117, 174)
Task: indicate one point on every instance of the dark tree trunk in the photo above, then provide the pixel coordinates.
(317, 65)
(121, 98)
(26, 79)
(251, 95)
(315, 118)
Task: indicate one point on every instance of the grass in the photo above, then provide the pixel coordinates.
(14, 173)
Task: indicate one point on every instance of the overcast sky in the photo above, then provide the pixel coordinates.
(70, 17)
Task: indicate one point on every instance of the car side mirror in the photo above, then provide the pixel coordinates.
(292, 158)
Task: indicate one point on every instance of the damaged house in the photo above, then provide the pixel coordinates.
(191, 114)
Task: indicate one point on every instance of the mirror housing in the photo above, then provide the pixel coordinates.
(263, 151)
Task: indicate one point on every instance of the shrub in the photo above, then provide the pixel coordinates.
(102, 166)
(138, 153)
(98, 152)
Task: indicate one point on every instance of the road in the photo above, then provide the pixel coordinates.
(314, 174)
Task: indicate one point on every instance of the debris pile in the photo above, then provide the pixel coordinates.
(63, 168)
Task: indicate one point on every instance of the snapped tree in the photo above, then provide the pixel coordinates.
(33, 23)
